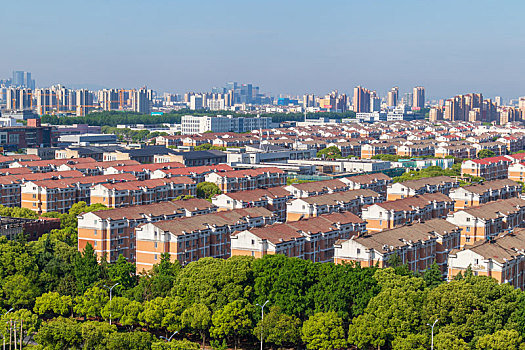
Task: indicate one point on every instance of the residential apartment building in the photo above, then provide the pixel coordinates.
(272, 198)
(94, 168)
(377, 182)
(123, 194)
(352, 201)
(400, 190)
(44, 166)
(502, 258)
(516, 172)
(249, 179)
(390, 214)
(9, 191)
(59, 195)
(488, 168)
(488, 220)
(488, 191)
(200, 124)
(460, 152)
(312, 239)
(193, 158)
(316, 188)
(192, 238)
(417, 150)
(142, 171)
(112, 232)
(196, 173)
(417, 245)
(371, 149)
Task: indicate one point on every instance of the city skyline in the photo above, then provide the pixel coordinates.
(288, 48)
(384, 96)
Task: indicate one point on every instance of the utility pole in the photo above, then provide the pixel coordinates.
(432, 326)
(110, 296)
(14, 331)
(262, 319)
(3, 336)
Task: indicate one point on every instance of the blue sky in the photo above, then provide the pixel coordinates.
(449, 47)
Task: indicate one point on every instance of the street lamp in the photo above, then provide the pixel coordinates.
(3, 336)
(262, 319)
(169, 339)
(110, 297)
(432, 326)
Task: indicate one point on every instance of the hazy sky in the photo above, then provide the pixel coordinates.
(450, 47)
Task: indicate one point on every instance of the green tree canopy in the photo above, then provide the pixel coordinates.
(232, 321)
(278, 328)
(324, 331)
(59, 334)
(86, 269)
(485, 153)
(91, 303)
(197, 317)
(207, 190)
(331, 152)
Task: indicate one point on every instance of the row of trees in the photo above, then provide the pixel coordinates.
(131, 135)
(114, 118)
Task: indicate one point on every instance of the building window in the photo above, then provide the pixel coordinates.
(95, 243)
(468, 229)
(155, 256)
(155, 245)
(476, 261)
(358, 251)
(253, 242)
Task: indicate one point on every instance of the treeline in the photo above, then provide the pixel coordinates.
(131, 135)
(114, 118)
(433, 171)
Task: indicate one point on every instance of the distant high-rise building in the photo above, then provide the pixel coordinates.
(84, 102)
(109, 99)
(63, 99)
(361, 101)
(418, 97)
(375, 102)
(460, 106)
(19, 99)
(23, 79)
(521, 105)
(408, 99)
(196, 102)
(309, 100)
(435, 114)
(46, 101)
(140, 101)
(498, 100)
(509, 114)
(393, 97)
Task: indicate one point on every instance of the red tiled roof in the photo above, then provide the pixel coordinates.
(197, 169)
(151, 183)
(13, 171)
(56, 162)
